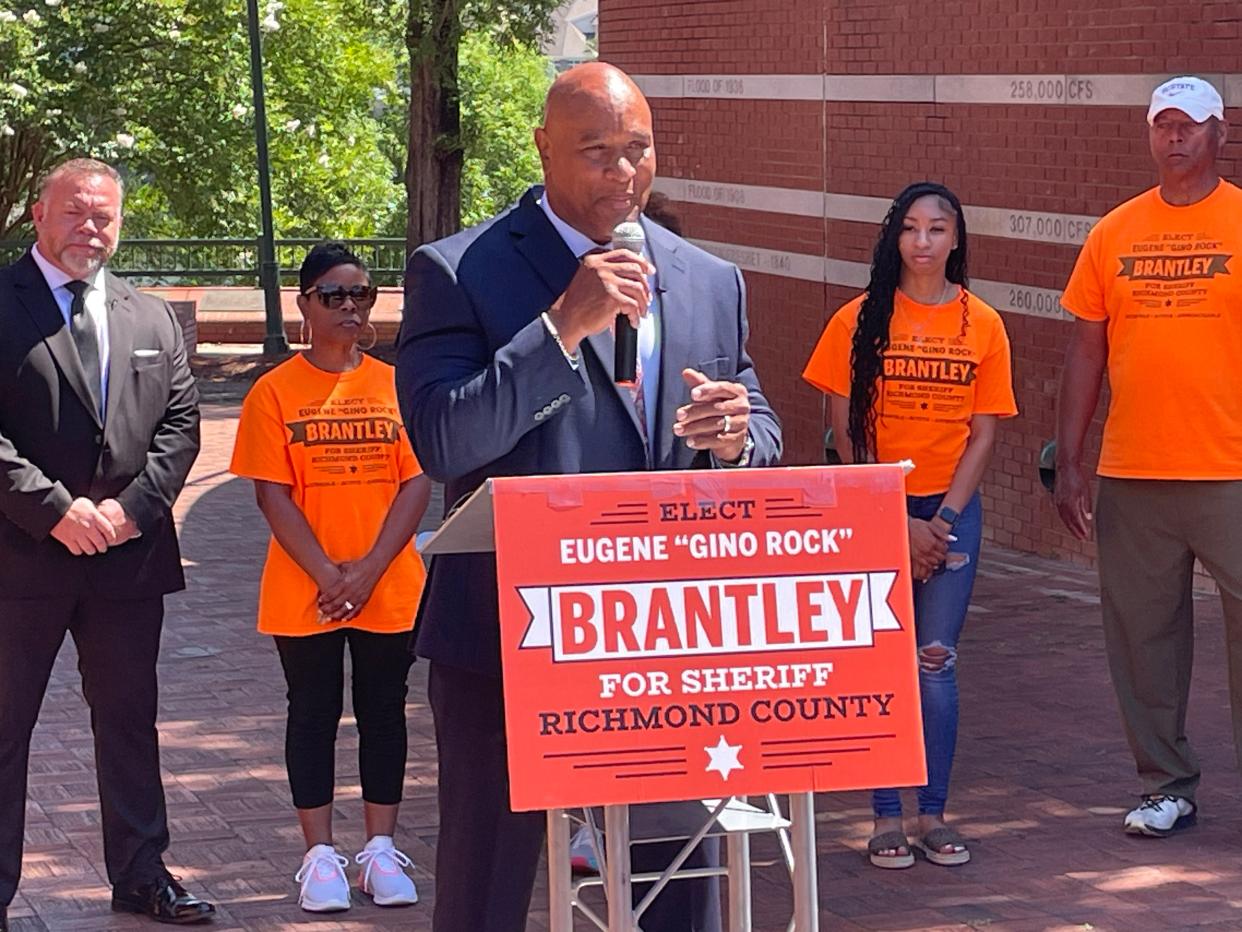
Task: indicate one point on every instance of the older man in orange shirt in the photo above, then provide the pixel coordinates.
(1158, 296)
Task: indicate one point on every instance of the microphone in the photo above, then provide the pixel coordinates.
(628, 235)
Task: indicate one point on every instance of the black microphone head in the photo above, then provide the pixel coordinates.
(629, 235)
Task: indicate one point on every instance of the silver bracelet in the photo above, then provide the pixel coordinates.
(571, 358)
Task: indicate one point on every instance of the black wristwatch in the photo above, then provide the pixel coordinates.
(948, 516)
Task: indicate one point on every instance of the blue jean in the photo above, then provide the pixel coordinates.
(940, 606)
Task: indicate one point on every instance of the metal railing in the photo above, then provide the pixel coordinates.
(229, 261)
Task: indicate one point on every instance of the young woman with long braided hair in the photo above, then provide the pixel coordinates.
(918, 368)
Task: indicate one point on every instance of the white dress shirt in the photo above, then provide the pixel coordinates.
(649, 330)
(96, 305)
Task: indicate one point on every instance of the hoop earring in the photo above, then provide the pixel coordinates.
(374, 338)
(303, 333)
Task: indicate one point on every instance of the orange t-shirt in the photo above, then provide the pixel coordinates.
(1169, 282)
(941, 367)
(338, 441)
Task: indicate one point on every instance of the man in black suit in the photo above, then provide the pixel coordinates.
(505, 367)
(98, 430)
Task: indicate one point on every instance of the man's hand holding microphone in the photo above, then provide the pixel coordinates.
(608, 285)
(611, 289)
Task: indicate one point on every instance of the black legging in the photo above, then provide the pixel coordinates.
(314, 671)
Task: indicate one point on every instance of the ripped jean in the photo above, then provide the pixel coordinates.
(939, 612)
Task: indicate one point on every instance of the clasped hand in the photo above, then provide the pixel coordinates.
(342, 597)
(87, 529)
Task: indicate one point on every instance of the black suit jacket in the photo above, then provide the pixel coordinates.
(54, 449)
(485, 391)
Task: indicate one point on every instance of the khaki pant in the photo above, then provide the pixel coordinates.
(1150, 531)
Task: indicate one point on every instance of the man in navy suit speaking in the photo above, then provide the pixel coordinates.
(505, 368)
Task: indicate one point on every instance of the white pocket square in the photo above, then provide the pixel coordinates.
(146, 353)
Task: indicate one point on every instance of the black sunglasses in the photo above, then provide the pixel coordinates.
(333, 296)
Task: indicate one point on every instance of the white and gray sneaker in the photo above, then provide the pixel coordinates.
(322, 876)
(383, 874)
(1159, 816)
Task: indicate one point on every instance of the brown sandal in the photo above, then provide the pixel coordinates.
(890, 841)
(942, 837)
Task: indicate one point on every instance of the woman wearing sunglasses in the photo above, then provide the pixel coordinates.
(338, 483)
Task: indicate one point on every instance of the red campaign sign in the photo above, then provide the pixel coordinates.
(683, 635)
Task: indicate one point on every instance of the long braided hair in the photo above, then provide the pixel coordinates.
(871, 338)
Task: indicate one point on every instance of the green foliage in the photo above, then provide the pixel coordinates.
(503, 83)
(327, 177)
(330, 74)
(161, 88)
(68, 74)
(510, 21)
(520, 22)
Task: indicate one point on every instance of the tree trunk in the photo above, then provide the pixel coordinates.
(23, 159)
(434, 153)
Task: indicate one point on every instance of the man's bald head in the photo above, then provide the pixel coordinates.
(597, 148)
(592, 84)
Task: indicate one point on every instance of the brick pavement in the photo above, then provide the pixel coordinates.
(1042, 780)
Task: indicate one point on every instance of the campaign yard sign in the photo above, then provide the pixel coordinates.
(671, 636)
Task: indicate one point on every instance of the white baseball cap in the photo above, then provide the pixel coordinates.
(1193, 96)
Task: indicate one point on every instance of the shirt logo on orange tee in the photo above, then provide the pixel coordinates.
(1174, 268)
(921, 369)
(343, 431)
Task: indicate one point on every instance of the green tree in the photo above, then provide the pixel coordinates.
(332, 75)
(436, 149)
(67, 74)
(325, 73)
(161, 88)
(503, 83)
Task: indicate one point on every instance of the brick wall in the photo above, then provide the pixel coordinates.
(1010, 36)
(1061, 133)
(752, 36)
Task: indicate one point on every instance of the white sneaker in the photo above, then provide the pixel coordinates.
(322, 876)
(1159, 816)
(383, 876)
